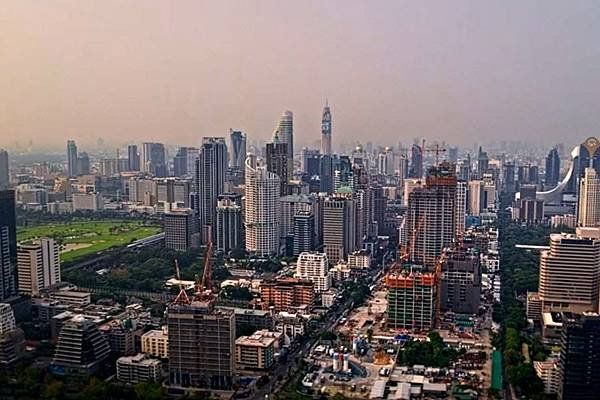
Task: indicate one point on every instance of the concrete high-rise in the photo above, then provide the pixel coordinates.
(339, 226)
(8, 243)
(71, 158)
(210, 176)
(552, 173)
(303, 232)
(230, 229)
(4, 170)
(431, 216)
(579, 361)
(133, 158)
(238, 150)
(201, 346)
(154, 159)
(180, 162)
(277, 162)
(38, 265)
(416, 162)
(180, 229)
(326, 130)
(461, 281)
(262, 209)
(314, 266)
(589, 199)
(285, 131)
(570, 273)
(411, 297)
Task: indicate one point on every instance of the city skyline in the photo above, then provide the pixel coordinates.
(154, 71)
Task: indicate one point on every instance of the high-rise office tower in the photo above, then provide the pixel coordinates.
(326, 172)
(230, 228)
(570, 273)
(579, 361)
(4, 170)
(482, 163)
(38, 265)
(285, 131)
(464, 170)
(416, 162)
(552, 174)
(339, 226)
(589, 199)
(262, 209)
(314, 266)
(201, 346)
(290, 206)
(83, 164)
(71, 158)
(303, 232)
(133, 158)
(453, 155)
(180, 229)
(461, 206)
(238, 150)
(277, 162)
(508, 177)
(477, 198)
(154, 159)
(461, 281)
(326, 130)
(431, 215)
(211, 172)
(310, 161)
(171, 193)
(8, 243)
(180, 162)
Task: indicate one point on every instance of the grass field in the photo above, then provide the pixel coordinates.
(79, 239)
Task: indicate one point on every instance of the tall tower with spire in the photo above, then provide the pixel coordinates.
(326, 130)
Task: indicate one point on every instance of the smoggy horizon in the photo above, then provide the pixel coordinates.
(460, 72)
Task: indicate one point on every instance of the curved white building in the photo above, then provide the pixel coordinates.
(262, 209)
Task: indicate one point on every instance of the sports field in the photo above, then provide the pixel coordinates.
(79, 239)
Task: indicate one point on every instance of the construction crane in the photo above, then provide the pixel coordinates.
(204, 287)
(435, 149)
(407, 251)
(182, 298)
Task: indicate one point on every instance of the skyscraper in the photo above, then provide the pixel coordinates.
(38, 265)
(8, 243)
(285, 131)
(579, 361)
(326, 130)
(482, 163)
(552, 173)
(431, 215)
(133, 158)
(154, 159)
(238, 150)
(460, 281)
(180, 229)
(201, 346)
(211, 172)
(262, 209)
(339, 226)
(229, 229)
(277, 162)
(314, 266)
(71, 158)
(180, 162)
(416, 162)
(326, 173)
(589, 199)
(4, 171)
(304, 232)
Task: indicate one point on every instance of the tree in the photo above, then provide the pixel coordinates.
(149, 391)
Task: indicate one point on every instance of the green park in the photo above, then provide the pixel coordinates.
(82, 238)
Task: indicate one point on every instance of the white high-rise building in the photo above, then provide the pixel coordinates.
(589, 199)
(285, 132)
(7, 319)
(262, 209)
(314, 266)
(38, 265)
(461, 206)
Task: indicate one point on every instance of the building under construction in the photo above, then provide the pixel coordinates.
(201, 346)
(412, 298)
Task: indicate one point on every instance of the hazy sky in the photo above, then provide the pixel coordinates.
(393, 70)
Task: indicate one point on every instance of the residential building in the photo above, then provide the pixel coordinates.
(87, 202)
(303, 232)
(262, 207)
(314, 266)
(230, 226)
(460, 281)
(549, 373)
(589, 199)
(277, 162)
(138, 368)
(154, 159)
(285, 132)
(133, 158)
(339, 226)
(255, 352)
(180, 230)
(287, 294)
(156, 342)
(12, 338)
(38, 265)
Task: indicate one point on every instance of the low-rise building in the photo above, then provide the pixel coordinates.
(256, 352)
(549, 373)
(138, 368)
(156, 342)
